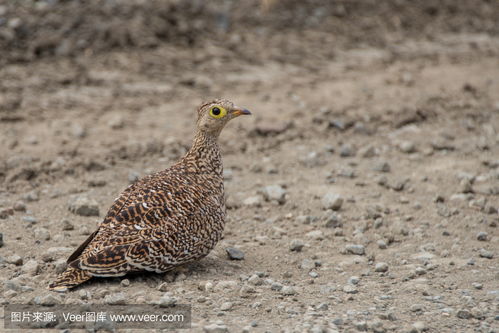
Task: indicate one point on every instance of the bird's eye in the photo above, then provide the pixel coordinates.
(217, 112)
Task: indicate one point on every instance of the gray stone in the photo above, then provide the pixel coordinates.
(84, 294)
(31, 196)
(84, 206)
(354, 280)
(234, 254)
(305, 219)
(313, 274)
(288, 291)
(48, 299)
(20, 206)
(276, 286)
(477, 285)
(420, 271)
(307, 264)
(482, 236)
(1, 239)
(54, 253)
(367, 151)
(465, 186)
(66, 225)
(407, 147)
(77, 130)
(12, 285)
(350, 289)
(420, 326)
(60, 265)
(464, 314)
(381, 244)
(41, 233)
(226, 286)
(215, 328)
(486, 254)
(381, 166)
(296, 245)
(167, 300)
(31, 267)
(315, 234)
(355, 249)
(116, 122)
(115, 299)
(381, 267)
(255, 280)
(133, 176)
(416, 308)
(347, 150)
(253, 201)
(14, 259)
(274, 192)
(226, 306)
(29, 219)
(333, 220)
(360, 325)
(332, 201)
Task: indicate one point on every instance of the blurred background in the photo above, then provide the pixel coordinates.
(391, 106)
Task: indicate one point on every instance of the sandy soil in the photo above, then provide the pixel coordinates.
(403, 127)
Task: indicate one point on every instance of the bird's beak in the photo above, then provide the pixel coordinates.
(237, 111)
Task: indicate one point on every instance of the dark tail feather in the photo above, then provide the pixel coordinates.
(68, 279)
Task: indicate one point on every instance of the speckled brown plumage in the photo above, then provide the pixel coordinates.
(166, 219)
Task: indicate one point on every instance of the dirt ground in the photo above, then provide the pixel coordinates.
(391, 105)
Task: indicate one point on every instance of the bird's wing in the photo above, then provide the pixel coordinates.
(127, 209)
(153, 249)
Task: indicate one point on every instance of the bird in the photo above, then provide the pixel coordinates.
(166, 219)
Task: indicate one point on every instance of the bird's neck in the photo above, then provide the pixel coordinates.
(205, 153)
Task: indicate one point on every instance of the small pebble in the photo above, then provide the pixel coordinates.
(381, 267)
(464, 314)
(20, 206)
(407, 147)
(332, 201)
(167, 300)
(482, 236)
(15, 260)
(296, 245)
(115, 299)
(215, 328)
(288, 291)
(226, 306)
(66, 225)
(354, 280)
(381, 244)
(355, 249)
(420, 326)
(350, 289)
(83, 206)
(477, 285)
(274, 192)
(234, 254)
(486, 254)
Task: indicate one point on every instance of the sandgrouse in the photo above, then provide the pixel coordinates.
(166, 219)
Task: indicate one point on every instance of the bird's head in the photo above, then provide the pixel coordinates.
(213, 116)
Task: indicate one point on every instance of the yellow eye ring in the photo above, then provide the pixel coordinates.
(218, 112)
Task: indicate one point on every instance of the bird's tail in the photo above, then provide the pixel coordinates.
(68, 279)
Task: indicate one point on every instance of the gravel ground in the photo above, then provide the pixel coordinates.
(363, 193)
